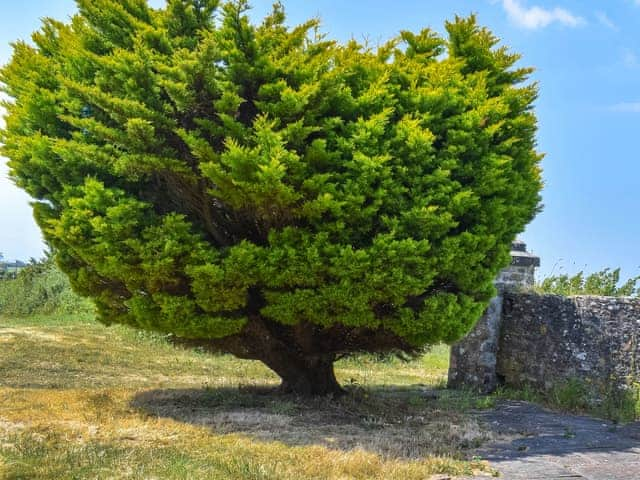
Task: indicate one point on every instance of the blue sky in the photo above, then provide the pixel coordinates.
(587, 56)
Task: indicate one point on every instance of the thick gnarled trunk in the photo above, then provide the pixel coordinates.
(308, 376)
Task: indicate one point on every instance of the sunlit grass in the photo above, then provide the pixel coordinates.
(78, 400)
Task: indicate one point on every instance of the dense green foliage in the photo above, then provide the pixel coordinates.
(605, 282)
(265, 189)
(40, 288)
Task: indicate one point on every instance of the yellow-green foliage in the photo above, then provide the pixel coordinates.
(208, 178)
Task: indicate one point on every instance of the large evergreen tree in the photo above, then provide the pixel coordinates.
(265, 191)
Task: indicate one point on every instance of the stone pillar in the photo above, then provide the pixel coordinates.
(473, 359)
(520, 275)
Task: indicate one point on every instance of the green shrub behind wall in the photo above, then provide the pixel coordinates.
(41, 288)
(606, 282)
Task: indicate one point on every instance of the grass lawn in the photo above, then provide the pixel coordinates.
(79, 400)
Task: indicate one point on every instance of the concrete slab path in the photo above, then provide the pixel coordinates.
(539, 444)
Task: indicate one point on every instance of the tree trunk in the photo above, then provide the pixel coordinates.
(299, 358)
(307, 376)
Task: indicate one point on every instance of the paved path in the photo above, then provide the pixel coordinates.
(538, 444)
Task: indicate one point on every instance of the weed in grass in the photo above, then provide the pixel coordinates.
(283, 407)
(416, 399)
(463, 400)
(621, 405)
(570, 396)
(524, 393)
(485, 402)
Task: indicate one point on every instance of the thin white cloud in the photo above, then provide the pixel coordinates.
(626, 107)
(535, 17)
(604, 19)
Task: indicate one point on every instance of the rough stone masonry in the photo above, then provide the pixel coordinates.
(541, 341)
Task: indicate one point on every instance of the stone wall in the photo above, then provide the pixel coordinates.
(540, 341)
(473, 359)
(472, 363)
(546, 340)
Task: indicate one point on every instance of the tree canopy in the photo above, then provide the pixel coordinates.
(263, 190)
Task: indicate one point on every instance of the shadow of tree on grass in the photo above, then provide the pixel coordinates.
(394, 422)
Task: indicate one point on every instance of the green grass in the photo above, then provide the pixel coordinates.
(621, 405)
(80, 400)
(573, 396)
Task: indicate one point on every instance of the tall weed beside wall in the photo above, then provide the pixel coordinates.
(41, 288)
